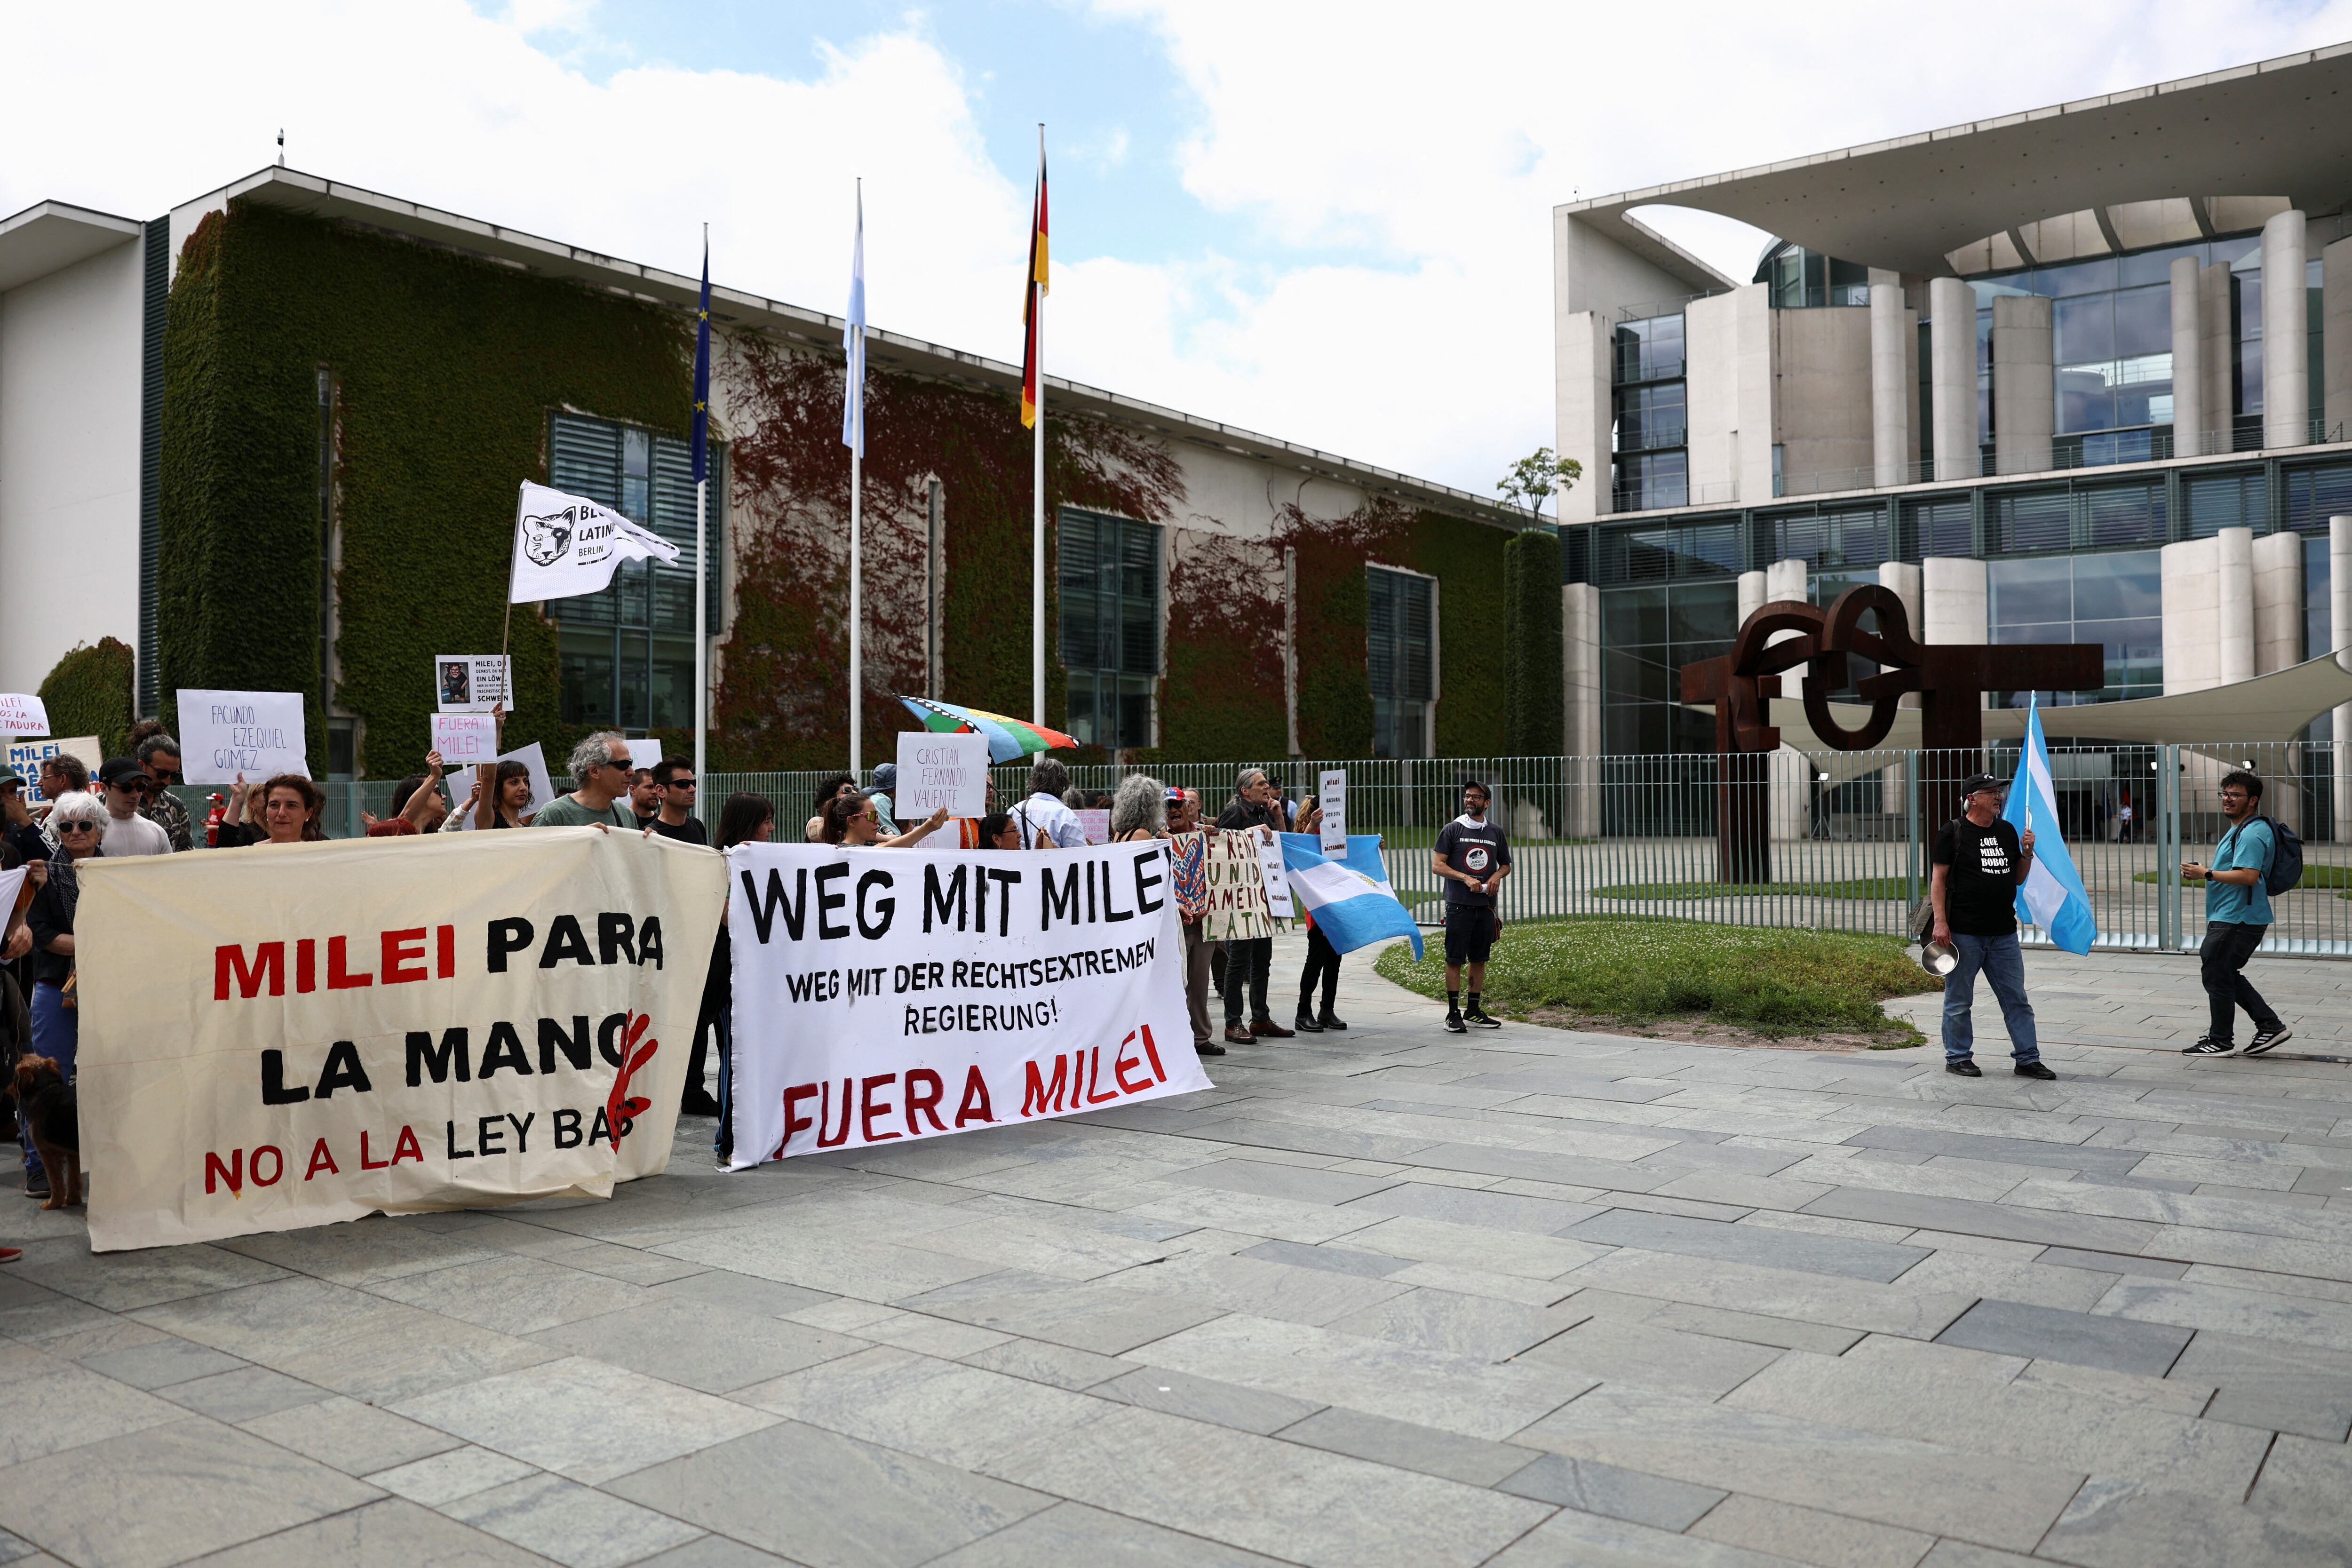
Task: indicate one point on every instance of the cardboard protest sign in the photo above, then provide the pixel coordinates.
(23, 715)
(534, 762)
(466, 737)
(471, 682)
(25, 759)
(1277, 879)
(257, 733)
(292, 1035)
(1094, 821)
(883, 994)
(1332, 794)
(937, 770)
(1236, 887)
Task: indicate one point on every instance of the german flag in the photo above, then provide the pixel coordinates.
(1032, 314)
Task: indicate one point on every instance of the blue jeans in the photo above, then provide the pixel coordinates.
(56, 1032)
(2003, 963)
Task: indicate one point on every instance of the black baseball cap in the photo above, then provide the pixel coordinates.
(123, 771)
(1976, 782)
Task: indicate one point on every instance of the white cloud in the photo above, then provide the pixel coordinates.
(1384, 174)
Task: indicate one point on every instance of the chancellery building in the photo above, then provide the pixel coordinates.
(2081, 373)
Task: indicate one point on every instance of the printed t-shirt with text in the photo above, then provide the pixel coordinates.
(1981, 893)
(1474, 849)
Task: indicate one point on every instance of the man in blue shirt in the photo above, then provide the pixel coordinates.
(2237, 915)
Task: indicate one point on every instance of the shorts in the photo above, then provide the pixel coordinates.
(1469, 933)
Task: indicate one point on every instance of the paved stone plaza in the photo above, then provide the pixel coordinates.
(1530, 1298)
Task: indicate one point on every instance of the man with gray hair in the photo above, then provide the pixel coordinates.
(600, 766)
(1249, 962)
(1045, 822)
(159, 759)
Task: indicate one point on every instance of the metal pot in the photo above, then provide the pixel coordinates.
(1939, 959)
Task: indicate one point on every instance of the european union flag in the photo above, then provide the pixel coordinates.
(702, 374)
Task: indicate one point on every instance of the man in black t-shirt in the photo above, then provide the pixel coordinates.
(1980, 861)
(674, 785)
(1471, 858)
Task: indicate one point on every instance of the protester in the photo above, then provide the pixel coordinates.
(885, 780)
(1000, 830)
(501, 798)
(851, 821)
(17, 827)
(674, 778)
(286, 811)
(1046, 822)
(60, 776)
(1471, 858)
(599, 767)
(1322, 958)
(1192, 889)
(1140, 810)
(81, 824)
(159, 759)
(123, 787)
(829, 788)
(644, 797)
(1249, 962)
(416, 804)
(1980, 863)
(746, 818)
(2237, 916)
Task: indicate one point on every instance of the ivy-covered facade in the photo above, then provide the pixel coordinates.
(345, 394)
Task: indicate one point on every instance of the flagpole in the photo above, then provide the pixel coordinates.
(702, 523)
(1037, 490)
(857, 510)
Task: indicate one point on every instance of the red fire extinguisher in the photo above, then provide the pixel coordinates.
(212, 822)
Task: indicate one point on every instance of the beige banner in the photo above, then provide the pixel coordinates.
(288, 1036)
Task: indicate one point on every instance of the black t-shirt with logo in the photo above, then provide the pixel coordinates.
(1474, 849)
(1981, 893)
(690, 831)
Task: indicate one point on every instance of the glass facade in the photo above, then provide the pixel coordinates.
(1806, 279)
(1109, 604)
(1399, 656)
(625, 656)
(1650, 466)
(2115, 600)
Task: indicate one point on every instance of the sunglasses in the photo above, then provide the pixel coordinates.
(680, 783)
(66, 828)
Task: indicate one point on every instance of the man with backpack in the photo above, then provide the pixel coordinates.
(2238, 888)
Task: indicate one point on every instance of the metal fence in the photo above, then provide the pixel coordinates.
(1849, 832)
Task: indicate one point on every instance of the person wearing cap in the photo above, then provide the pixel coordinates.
(16, 825)
(1980, 861)
(129, 833)
(886, 783)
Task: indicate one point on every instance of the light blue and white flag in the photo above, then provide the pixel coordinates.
(1354, 909)
(853, 340)
(2052, 895)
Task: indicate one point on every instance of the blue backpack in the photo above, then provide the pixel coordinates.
(2286, 857)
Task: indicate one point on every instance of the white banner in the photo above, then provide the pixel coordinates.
(466, 737)
(23, 715)
(288, 1036)
(1331, 794)
(257, 733)
(25, 759)
(937, 770)
(883, 994)
(471, 682)
(568, 545)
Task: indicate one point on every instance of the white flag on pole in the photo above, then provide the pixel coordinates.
(852, 341)
(568, 545)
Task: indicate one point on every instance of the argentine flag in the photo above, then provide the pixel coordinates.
(1354, 909)
(2052, 895)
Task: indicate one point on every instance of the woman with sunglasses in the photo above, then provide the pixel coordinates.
(851, 821)
(79, 819)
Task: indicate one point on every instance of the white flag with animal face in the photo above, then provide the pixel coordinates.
(568, 545)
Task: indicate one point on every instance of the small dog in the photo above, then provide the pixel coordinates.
(46, 1101)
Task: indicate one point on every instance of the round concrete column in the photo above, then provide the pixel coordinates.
(2286, 345)
(2234, 605)
(1952, 357)
(1892, 336)
(2191, 418)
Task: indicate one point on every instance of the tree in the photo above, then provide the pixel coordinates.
(1535, 479)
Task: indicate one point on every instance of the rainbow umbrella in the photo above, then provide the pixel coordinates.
(1007, 737)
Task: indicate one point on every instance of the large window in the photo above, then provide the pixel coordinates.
(626, 655)
(1110, 625)
(1647, 634)
(1650, 468)
(2115, 600)
(1398, 623)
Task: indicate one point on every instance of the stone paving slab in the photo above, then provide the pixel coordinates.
(1524, 1297)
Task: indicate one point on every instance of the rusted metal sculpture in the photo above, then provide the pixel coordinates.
(1950, 680)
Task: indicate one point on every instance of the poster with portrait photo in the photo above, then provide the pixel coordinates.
(470, 682)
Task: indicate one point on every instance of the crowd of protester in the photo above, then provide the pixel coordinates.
(129, 809)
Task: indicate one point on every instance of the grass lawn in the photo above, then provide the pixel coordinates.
(1857, 888)
(1631, 970)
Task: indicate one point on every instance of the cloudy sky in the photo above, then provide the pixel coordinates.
(1325, 222)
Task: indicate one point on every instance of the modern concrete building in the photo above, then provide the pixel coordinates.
(2080, 373)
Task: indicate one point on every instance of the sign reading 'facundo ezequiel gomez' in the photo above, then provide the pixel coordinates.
(885, 994)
